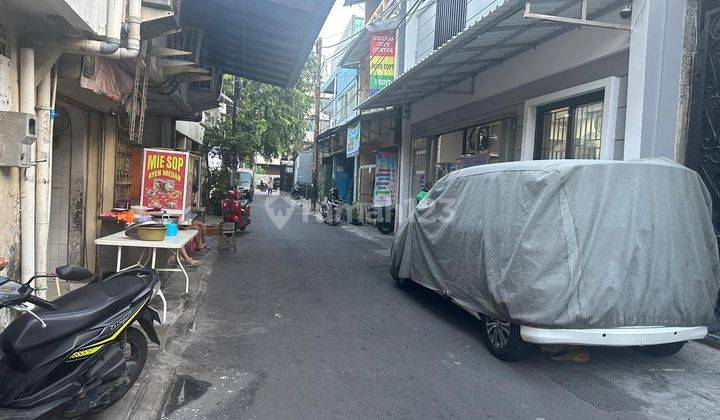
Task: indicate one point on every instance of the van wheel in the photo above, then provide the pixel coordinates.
(503, 339)
(662, 350)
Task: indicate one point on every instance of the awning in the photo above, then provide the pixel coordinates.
(497, 35)
(264, 40)
(366, 116)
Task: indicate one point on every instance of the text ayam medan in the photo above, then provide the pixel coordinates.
(164, 165)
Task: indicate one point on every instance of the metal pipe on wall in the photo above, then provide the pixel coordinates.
(132, 46)
(43, 147)
(27, 179)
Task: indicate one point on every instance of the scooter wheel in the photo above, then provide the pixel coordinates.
(385, 228)
(136, 350)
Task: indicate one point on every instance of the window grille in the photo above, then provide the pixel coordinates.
(449, 20)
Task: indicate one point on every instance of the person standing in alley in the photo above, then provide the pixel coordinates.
(270, 187)
(423, 193)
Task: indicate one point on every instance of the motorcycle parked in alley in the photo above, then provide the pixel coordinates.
(237, 211)
(331, 208)
(295, 192)
(79, 353)
(384, 219)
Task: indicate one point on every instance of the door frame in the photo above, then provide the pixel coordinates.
(611, 90)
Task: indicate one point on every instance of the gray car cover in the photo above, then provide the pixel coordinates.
(568, 244)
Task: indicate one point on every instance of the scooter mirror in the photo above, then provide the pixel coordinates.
(73, 273)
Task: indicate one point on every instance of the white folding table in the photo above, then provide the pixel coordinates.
(120, 240)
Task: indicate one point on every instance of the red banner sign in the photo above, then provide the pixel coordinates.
(164, 178)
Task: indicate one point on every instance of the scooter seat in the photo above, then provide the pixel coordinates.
(76, 311)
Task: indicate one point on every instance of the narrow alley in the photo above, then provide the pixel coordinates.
(304, 321)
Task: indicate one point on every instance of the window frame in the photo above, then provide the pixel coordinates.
(572, 104)
(501, 123)
(611, 115)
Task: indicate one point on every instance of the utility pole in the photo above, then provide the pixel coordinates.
(316, 154)
(400, 51)
(236, 99)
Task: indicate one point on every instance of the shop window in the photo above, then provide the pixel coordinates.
(485, 139)
(571, 129)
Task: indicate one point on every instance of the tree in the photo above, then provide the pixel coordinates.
(268, 120)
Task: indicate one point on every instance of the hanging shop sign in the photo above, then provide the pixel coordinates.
(386, 163)
(166, 180)
(352, 147)
(382, 60)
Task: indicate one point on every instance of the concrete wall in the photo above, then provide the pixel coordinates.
(191, 129)
(477, 9)
(656, 54)
(83, 14)
(9, 177)
(425, 38)
(565, 52)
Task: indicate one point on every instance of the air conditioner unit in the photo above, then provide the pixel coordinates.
(192, 41)
(211, 84)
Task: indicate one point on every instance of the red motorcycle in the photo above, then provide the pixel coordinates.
(236, 211)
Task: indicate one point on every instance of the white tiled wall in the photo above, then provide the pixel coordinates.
(59, 204)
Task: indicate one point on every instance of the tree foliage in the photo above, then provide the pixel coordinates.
(269, 120)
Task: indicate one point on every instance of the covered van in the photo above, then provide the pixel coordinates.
(569, 245)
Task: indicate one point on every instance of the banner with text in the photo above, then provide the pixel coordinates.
(353, 141)
(164, 179)
(382, 60)
(386, 163)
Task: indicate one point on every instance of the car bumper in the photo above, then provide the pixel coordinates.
(628, 336)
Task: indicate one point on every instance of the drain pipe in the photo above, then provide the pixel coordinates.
(27, 176)
(43, 146)
(132, 47)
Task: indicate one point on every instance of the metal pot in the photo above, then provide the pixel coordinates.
(154, 233)
(146, 231)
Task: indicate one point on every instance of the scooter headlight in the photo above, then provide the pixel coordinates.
(156, 289)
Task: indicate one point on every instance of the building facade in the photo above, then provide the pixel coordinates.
(103, 80)
(492, 81)
(356, 141)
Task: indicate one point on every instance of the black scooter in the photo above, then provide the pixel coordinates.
(385, 219)
(77, 354)
(295, 192)
(331, 208)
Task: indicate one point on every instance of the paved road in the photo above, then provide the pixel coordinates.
(305, 322)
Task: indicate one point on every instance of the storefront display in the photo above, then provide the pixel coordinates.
(386, 164)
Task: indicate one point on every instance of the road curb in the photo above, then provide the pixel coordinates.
(149, 399)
